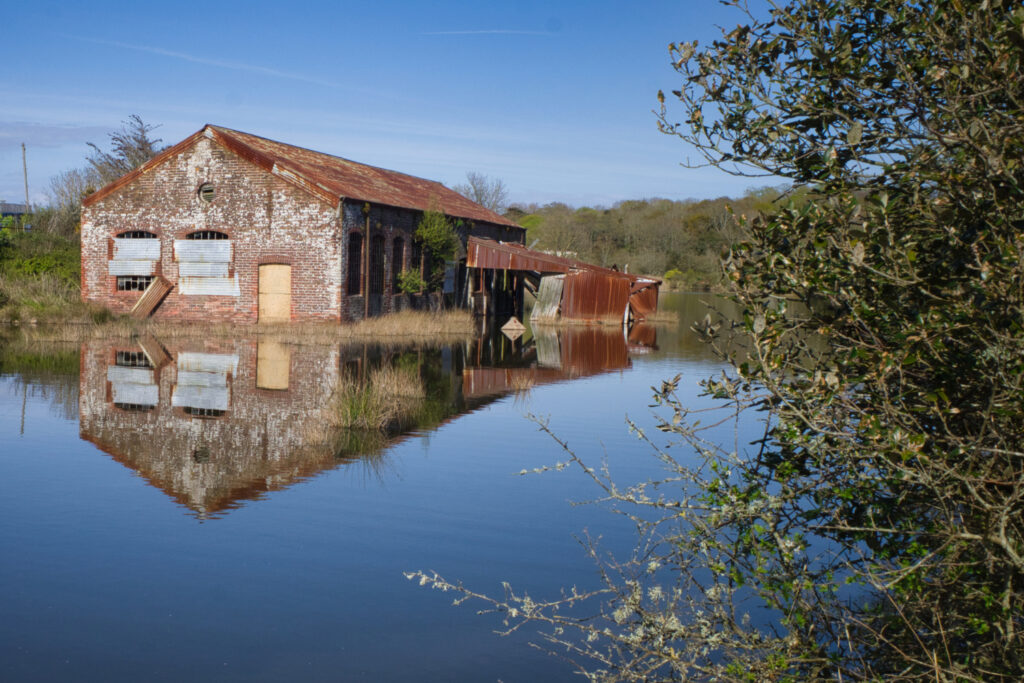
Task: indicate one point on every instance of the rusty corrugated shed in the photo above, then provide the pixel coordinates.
(590, 292)
(642, 337)
(592, 349)
(484, 253)
(591, 295)
(329, 177)
(643, 299)
(582, 352)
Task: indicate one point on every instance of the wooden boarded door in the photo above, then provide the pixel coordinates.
(275, 300)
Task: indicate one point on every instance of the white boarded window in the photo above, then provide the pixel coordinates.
(205, 264)
(134, 259)
(203, 387)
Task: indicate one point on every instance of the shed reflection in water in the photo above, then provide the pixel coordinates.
(215, 423)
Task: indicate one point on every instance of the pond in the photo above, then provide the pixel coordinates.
(186, 510)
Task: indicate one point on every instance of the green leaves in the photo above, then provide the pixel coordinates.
(895, 381)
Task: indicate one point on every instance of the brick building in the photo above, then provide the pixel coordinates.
(238, 228)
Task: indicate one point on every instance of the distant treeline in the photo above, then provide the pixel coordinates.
(681, 241)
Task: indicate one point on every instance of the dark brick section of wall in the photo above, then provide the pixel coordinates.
(394, 223)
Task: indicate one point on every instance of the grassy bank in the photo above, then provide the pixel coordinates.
(39, 280)
(406, 326)
(40, 292)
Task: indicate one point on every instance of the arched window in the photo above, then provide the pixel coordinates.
(206, 235)
(416, 262)
(377, 249)
(397, 261)
(137, 235)
(355, 263)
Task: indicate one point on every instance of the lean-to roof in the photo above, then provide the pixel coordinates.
(329, 177)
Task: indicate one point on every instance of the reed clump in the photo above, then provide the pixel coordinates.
(521, 384)
(386, 400)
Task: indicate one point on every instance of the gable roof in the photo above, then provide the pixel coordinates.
(329, 177)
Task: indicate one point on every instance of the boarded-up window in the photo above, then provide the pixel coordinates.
(355, 263)
(133, 384)
(204, 264)
(203, 387)
(134, 259)
(397, 261)
(377, 264)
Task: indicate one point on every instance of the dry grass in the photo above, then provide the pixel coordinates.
(405, 326)
(606, 321)
(662, 317)
(44, 298)
(659, 317)
(522, 388)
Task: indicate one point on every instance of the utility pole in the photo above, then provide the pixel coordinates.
(24, 168)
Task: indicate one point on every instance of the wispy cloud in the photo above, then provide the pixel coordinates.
(13, 133)
(493, 31)
(237, 66)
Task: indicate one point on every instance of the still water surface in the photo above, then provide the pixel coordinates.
(176, 511)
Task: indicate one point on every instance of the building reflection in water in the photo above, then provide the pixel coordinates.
(215, 423)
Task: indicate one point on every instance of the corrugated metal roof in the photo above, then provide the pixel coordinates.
(484, 253)
(329, 177)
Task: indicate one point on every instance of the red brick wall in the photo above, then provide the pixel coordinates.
(267, 219)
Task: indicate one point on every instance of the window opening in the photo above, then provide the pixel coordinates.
(355, 263)
(133, 407)
(206, 235)
(377, 264)
(136, 235)
(132, 359)
(204, 412)
(133, 283)
(206, 192)
(397, 261)
(416, 262)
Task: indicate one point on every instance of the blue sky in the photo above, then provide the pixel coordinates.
(554, 98)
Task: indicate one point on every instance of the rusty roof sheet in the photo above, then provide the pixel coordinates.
(485, 253)
(329, 177)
